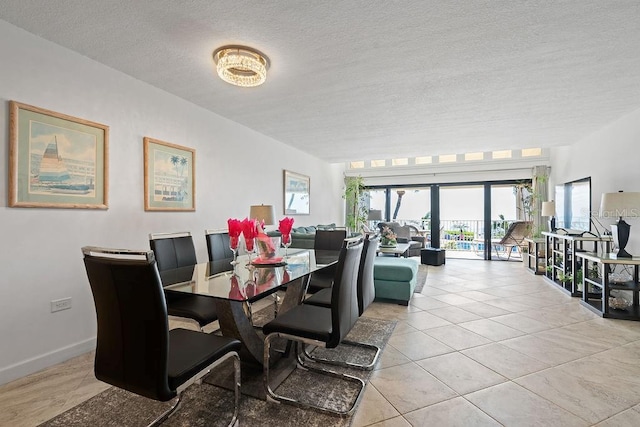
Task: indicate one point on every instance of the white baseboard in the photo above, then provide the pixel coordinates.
(46, 360)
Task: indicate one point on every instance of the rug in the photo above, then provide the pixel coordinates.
(421, 279)
(204, 404)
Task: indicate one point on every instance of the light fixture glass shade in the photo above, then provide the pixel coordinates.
(264, 213)
(620, 204)
(241, 66)
(548, 208)
(374, 215)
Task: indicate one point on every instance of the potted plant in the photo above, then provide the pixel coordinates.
(355, 195)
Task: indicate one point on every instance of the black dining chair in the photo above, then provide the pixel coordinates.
(326, 240)
(320, 326)
(175, 250)
(366, 293)
(135, 349)
(218, 246)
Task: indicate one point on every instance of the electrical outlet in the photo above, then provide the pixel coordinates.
(60, 304)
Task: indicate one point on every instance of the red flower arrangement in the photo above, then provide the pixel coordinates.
(249, 231)
(235, 229)
(284, 227)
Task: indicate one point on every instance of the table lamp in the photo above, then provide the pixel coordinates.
(264, 213)
(549, 209)
(374, 215)
(620, 205)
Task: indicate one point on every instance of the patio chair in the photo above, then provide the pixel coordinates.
(514, 236)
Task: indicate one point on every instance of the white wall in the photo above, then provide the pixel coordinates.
(611, 157)
(40, 248)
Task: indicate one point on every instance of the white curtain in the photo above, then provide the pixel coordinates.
(540, 186)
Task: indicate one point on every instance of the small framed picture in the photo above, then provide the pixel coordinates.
(169, 176)
(56, 161)
(297, 193)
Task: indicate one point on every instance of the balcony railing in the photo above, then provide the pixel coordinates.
(461, 235)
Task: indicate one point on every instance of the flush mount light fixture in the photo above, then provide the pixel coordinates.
(241, 66)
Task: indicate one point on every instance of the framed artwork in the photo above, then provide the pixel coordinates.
(169, 176)
(296, 193)
(56, 161)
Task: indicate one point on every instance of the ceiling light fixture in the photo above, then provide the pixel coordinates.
(241, 66)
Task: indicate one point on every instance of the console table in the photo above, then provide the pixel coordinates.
(562, 264)
(597, 278)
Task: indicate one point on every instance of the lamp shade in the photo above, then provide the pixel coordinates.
(620, 204)
(264, 213)
(374, 215)
(548, 208)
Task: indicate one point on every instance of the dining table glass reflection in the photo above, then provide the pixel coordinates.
(245, 282)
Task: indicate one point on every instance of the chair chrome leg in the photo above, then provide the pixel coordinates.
(272, 396)
(236, 386)
(166, 414)
(236, 389)
(276, 301)
(346, 363)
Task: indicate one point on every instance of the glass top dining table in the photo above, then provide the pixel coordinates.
(233, 288)
(219, 279)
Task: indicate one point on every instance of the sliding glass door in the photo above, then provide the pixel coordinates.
(464, 219)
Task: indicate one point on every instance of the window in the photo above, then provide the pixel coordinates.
(473, 156)
(377, 163)
(356, 165)
(531, 152)
(423, 160)
(400, 162)
(503, 154)
(447, 158)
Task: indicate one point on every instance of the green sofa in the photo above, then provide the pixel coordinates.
(304, 237)
(395, 278)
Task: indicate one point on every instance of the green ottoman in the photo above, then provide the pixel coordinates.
(395, 278)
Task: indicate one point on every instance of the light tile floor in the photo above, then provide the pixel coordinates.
(499, 346)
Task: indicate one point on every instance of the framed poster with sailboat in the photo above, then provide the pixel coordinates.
(56, 161)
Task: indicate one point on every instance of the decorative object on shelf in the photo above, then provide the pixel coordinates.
(619, 205)
(388, 238)
(619, 278)
(56, 161)
(549, 210)
(263, 214)
(618, 303)
(241, 66)
(284, 227)
(235, 229)
(169, 176)
(297, 193)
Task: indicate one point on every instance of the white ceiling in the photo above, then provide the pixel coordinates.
(367, 79)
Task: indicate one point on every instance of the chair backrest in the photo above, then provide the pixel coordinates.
(329, 239)
(133, 329)
(344, 307)
(517, 232)
(218, 245)
(173, 250)
(366, 289)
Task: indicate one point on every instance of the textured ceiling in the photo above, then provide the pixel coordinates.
(366, 79)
